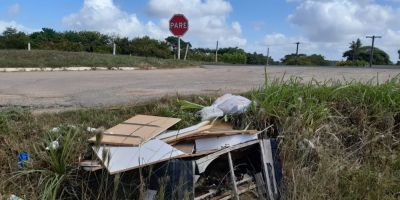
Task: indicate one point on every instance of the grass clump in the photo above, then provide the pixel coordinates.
(338, 140)
(53, 59)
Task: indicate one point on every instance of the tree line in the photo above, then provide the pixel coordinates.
(92, 41)
(359, 55)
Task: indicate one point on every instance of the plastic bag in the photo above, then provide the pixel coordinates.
(232, 104)
(210, 112)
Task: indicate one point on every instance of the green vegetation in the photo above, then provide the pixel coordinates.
(95, 42)
(302, 59)
(359, 55)
(338, 140)
(51, 58)
(358, 63)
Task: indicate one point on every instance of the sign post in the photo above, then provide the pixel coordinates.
(178, 25)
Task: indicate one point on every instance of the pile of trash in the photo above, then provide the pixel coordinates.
(202, 154)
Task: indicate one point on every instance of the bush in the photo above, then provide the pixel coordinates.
(358, 63)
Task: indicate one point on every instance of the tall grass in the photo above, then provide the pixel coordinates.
(338, 140)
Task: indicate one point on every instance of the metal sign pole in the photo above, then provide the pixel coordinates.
(179, 47)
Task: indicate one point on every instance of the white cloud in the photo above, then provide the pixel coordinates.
(338, 22)
(281, 45)
(13, 10)
(207, 20)
(104, 16)
(13, 24)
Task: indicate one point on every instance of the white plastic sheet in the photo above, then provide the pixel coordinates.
(121, 159)
(232, 104)
(216, 143)
(210, 112)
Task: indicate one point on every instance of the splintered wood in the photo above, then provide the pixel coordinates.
(136, 130)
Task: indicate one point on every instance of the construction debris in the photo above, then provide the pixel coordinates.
(248, 158)
(136, 130)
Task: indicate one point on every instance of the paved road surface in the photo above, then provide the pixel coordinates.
(53, 90)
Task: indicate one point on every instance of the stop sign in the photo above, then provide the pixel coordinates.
(178, 25)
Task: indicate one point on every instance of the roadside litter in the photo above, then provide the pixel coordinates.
(226, 104)
(23, 157)
(203, 154)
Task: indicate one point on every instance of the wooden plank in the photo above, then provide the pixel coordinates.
(136, 130)
(178, 138)
(198, 134)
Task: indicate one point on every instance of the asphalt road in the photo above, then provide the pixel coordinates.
(60, 90)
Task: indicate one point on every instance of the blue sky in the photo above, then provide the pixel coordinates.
(323, 26)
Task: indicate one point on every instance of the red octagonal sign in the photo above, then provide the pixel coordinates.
(178, 25)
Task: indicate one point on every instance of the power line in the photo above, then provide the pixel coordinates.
(372, 48)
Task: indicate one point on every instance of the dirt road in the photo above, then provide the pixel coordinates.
(43, 90)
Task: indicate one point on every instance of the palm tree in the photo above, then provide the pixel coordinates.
(355, 49)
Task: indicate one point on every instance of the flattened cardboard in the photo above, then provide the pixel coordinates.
(136, 130)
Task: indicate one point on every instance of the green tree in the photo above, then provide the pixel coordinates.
(11, 38)
(303, 59)
(148, 47)
(259, 59)
(354, 51)
(398, 62)
(9, 31)
(380, 57)
(358, 52)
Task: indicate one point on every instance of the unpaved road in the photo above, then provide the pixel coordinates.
(52, 90)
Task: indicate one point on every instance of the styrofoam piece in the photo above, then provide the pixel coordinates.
(173, 133)
(119, 159)
(216, 143)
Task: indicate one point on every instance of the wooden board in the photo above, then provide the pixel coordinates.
(136, 130)
(208, 134)
(181, 137)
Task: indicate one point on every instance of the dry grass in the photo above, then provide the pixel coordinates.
(337, 140)
(47, 58)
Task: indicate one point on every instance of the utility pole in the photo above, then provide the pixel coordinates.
(216, 53)
(114, 49)
(297, 51)
(297, 48)
(371, 56)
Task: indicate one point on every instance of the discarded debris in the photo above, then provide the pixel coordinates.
(232, 104)
(23, 157)
(90, 165)
(226, 104)
(144, 140)
(53, 145)
(90, 129)
(14, 197)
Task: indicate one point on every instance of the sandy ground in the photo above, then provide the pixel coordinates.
(60, 90)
